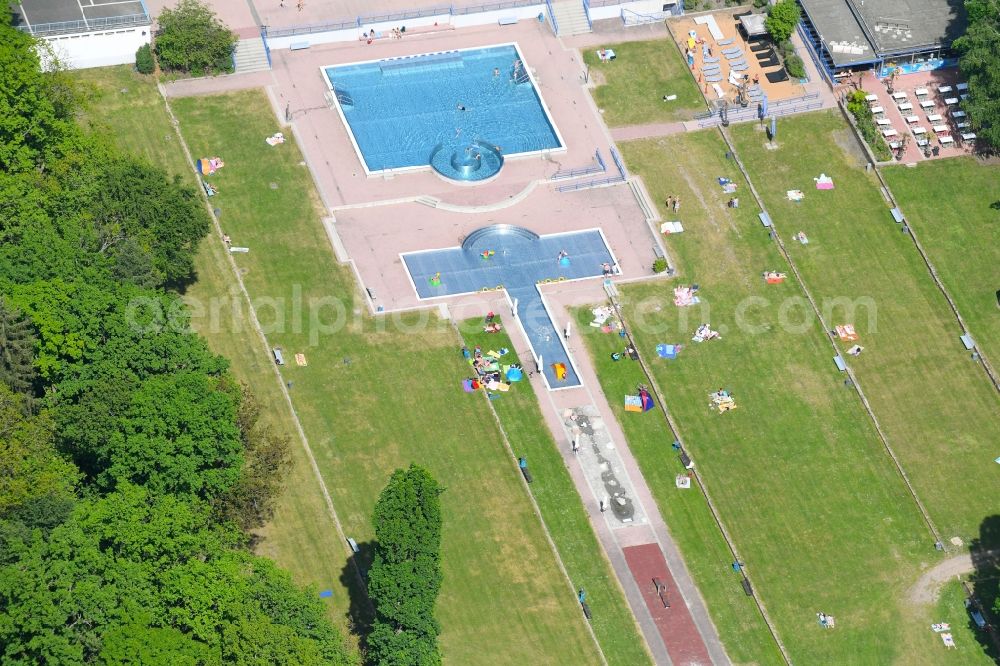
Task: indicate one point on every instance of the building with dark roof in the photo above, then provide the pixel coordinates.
(847, 35)
(88, 33)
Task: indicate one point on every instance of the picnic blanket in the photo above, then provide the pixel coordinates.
(795, 195)
(940, 626)
(667, 351)
(824, 182)
(605, 55)
(275, 139)
(601, 315)
(682, 481)
(846, 332)
(208, 165)
(948, 640)
(705, 332)
(671, 228)
(685, 296)
(771, 277)
(300, 359)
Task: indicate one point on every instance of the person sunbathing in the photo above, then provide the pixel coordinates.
(774, 275)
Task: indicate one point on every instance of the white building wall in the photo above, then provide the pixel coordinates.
(99, 49)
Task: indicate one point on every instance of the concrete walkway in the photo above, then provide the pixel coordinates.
(688, 625)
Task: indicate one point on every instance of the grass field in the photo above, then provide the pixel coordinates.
(820, 517)
(499, 579)
(937, 407)
(300, 537)
(379, 394)
(564, 515)
(631, 87)
(948, 203)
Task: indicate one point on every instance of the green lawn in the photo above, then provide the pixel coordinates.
(300, 538)
(631, 87)
(948, 203)
(937, 407)
(564, 515)
(377, 395)
(818, 513)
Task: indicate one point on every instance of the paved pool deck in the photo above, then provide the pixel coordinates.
(371, 221)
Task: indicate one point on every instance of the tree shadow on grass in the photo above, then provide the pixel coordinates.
(985, 582)
(354, 577)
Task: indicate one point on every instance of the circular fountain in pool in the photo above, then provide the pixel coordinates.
(466, 161)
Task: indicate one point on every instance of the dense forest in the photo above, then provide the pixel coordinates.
(132, 465)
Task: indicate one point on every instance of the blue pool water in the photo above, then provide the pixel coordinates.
(521, 259)
(404, 112)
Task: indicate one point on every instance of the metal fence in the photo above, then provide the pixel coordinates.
(599, 167)
(364, 19)
(89, 25)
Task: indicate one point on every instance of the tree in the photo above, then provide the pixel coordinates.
(174, 433)
(405, 577)
(979, 62)
(36, 112)
(17, 350)
(30, 468)
(250, 503)
(782, 19)
(191, 39)
(134, 574)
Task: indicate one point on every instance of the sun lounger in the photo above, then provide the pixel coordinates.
(711, 69)
(732, 49)
(777, 77)
(714, 78)
(770, 62)
(725, 42)
(736, 55)
(711, 59)
(740, 68)
(762, 46)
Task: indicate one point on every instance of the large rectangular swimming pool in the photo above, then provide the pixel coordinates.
(400, 110)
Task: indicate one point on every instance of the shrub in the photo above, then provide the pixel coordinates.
(795, 67)
(191, 39)
(781, 20)
(144, 60)
(858, 107)
(659, 265)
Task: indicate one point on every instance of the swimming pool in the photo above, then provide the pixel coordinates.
(506, 257)
(459, 112)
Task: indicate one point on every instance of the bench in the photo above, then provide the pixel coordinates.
(897, 215)
(279, 358)
(838, 360)
(686, 460)
(765, 219)
(507, 20)
(967, 341)
(353, 544)
(298, 46)
(746, 586)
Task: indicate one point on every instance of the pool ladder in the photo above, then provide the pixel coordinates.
(520, 75)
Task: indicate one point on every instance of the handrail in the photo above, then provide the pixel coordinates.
(586, 12)
(493, 6)
(587, 184)
(618, 163)
(267, 49)
(552, 16)
(582, 171)
(86, 25)
(642, 19)
(821, 67)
